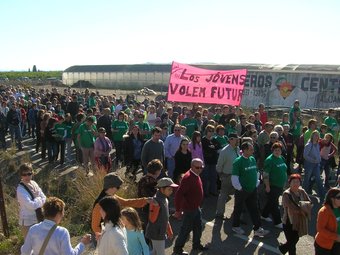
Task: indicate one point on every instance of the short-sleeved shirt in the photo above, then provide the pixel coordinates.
(246, 170)
(191, 125)
(60, 129)
(277, 170)
(68, 127)
(145, 127)
(87, 138)
(122, 127)
(332, 124)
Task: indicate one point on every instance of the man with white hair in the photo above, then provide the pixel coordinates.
(188, 199)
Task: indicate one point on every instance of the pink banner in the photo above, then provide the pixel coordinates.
(196, 85)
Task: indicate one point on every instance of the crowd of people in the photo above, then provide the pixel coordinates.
(192, 152)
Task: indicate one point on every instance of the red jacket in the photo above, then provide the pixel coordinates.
(189, 195)
(326, 228)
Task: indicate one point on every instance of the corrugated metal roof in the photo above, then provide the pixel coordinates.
(167, 68)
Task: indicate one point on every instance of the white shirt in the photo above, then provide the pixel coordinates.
(59, 243)
(27, 216)
(113, 240)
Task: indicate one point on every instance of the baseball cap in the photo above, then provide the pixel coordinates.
(166, 182)
(112, 180)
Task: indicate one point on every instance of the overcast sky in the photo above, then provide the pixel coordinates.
(54, 35)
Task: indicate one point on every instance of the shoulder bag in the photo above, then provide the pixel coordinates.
(38, 211)
(48, 237)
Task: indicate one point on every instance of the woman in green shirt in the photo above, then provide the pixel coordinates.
(87, 134)
(119, 129)
(275, 178)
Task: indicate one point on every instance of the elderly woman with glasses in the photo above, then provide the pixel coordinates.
(30, 198)
(327, 239)
(296, 214)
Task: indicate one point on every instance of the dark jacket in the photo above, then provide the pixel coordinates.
(210, 148)
(130, 149)
(72, 108)
(14, 117)
(105, 121)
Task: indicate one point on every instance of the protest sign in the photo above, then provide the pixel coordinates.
(196, 85)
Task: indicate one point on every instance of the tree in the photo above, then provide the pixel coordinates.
(34, 69)
(29, 69)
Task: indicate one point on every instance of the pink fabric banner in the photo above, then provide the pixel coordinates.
(196, 85)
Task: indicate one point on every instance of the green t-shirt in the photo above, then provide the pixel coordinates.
(145, 127)
(277, 170)
(112, 108)
(231, 130)
(332, 125)
(191, 125)
(68, 127)
(87, 138)
(92, 102)
(217, 117)
(122, 127)
(337, 217)
(60, 129)
(246, 170)
(222, 140)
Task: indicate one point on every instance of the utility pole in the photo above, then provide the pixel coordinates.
(3, 211)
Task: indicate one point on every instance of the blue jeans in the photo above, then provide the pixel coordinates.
(313, 169)
(32, 129)
(52, 151)
(324, 165)
(209, 179)
(15, 132)
(192, 221)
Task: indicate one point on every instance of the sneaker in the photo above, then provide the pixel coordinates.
(261, 232)
(238, 230)
(266, 219)
(280, 226)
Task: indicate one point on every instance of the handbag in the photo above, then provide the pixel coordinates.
(38, 211)
(303, 205)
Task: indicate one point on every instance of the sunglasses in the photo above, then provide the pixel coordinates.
(27, 174)
(177, 130)
(198, 167)
(337, 198)
(273, 137)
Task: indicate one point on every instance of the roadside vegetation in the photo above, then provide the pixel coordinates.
(78, 191)
(30, 75)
